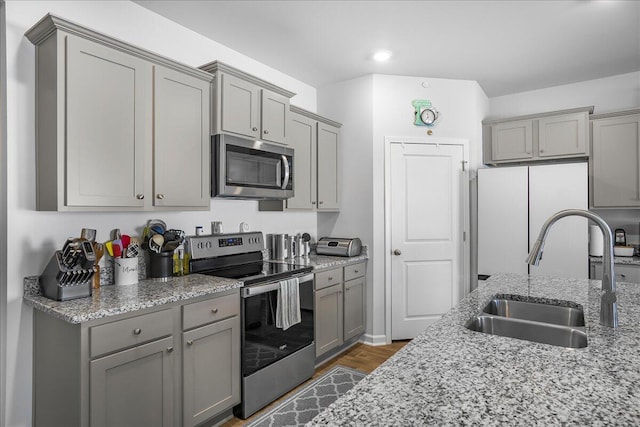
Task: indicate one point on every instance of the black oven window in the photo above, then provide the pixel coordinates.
(263, 343)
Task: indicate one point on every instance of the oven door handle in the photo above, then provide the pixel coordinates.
(250, 291)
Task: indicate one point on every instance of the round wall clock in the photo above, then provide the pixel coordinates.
(428, 116)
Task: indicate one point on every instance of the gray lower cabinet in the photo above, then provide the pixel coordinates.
(134, 387)
(211, 359)
(339, 306)
(623, 272)
(615, 160)
(174, 365)
(329, 319)
(537, 137)
(118, 128)
(248, 106)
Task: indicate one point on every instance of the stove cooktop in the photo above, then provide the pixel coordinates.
(259, 272)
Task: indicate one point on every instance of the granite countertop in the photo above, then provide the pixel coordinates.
(112, 300)
(627, 260)
(325, 262)
(450, 375)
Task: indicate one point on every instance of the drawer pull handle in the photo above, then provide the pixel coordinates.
(189, 342)
(330, 278)
(137, 331)
(169, 349)
(624, 276)
(214, 311)
(356, 271)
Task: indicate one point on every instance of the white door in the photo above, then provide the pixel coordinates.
(426, 234)
(553, 188)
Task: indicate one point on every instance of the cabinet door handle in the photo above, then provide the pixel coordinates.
(137, 331)
(321, 202)
(397, 252)
(313, 203)
(189, 342)
(624, 276)
(169, 349)
(160, 196)
(266, 132)
(214, 311)
(254, 129)
(139, 196)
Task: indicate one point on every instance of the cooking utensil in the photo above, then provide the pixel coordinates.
(115, 234)
(133, 250)
(98, 248)
(156, 242)
(170, 246)
(117, 251)
(109, 247)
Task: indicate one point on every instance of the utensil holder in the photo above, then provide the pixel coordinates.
(161, 265)
(125, 271)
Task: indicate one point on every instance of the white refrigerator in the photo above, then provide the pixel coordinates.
(514, 202)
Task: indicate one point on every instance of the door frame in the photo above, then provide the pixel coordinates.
(388, 140)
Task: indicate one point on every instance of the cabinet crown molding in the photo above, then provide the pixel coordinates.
(49, 24)
(490, 122)
(612, 114)
(215, 66)
(314, 116)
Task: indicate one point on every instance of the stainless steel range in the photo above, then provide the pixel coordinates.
(274, 360)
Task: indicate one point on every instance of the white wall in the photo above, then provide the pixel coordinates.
(613, 93)
(350, 103)
(35, 235)
(388, 110)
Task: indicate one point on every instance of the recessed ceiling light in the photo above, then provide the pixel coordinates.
(382, 55)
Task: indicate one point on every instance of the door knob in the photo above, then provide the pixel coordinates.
(397, 252)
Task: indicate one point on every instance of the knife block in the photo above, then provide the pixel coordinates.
(63, 283)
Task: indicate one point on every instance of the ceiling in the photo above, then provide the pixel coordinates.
(507, 46)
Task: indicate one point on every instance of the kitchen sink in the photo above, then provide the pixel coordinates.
(556, 312)
(546, 333)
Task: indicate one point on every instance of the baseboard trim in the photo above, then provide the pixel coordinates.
(374, 339)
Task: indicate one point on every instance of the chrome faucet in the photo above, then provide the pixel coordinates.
(608, 304)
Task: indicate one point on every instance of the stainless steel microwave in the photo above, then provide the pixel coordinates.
(248, 169)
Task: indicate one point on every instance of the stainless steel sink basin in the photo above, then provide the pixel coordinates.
(546, 333)
(555, 312)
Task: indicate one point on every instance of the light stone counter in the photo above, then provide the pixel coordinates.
(626, 260)
(450, 375)
(112, 300)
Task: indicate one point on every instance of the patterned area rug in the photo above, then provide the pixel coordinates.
(316, 396)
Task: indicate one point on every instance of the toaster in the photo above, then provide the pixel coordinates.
(336, 246)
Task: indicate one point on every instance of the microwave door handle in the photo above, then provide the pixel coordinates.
(285, 162)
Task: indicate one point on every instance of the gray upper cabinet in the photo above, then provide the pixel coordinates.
(316, 141)
(248, 106)
(512, 141)
(539, 137)
(181, 153)
(328, 167)
(105, 144)
(111, 135)
(615, 160)
(304, 142)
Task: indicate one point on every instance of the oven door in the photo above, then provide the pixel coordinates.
(262, 342)
(251, 169)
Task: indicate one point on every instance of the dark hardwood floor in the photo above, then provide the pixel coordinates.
(362, 357)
